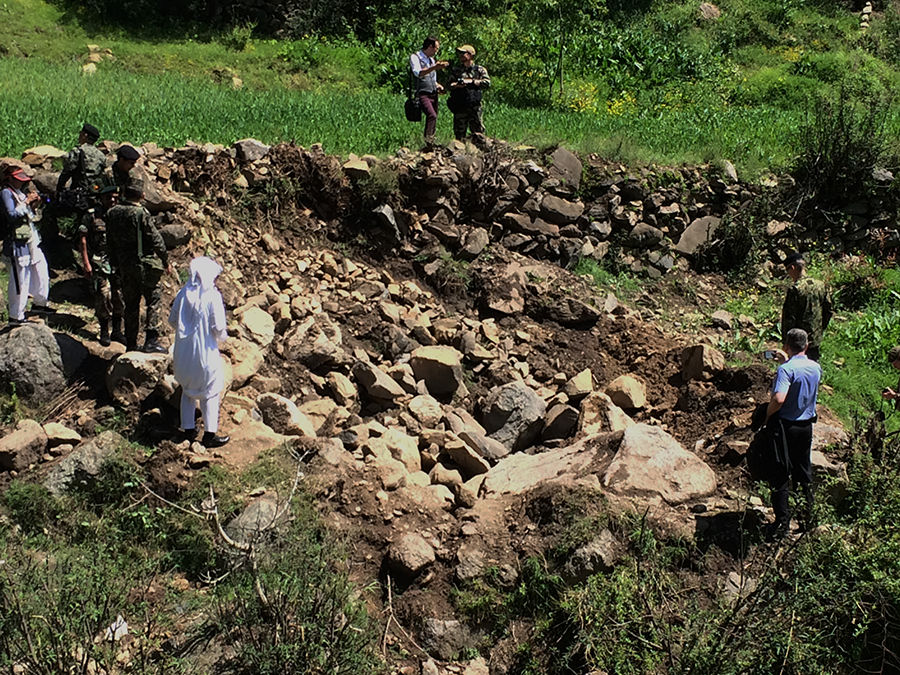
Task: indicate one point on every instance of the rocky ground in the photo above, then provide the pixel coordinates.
(452, 382)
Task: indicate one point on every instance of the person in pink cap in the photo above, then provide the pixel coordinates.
(28, 272)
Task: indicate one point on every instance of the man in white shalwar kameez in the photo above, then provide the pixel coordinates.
(198, 317)
(25, 261)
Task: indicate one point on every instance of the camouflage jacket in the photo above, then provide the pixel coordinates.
(133, 240)
(113, 176)
(93, 228)
(84, 165)
(471, 93)
(807, 306)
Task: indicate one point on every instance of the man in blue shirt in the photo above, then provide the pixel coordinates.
(424, 69)
(790, 416)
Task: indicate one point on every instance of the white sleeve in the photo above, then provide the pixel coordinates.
(415, 64)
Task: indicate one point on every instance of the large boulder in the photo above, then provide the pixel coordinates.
(247, 359)
(24, 446)
(410, 555)
(259, 325)
(134, 375)
(440, 367)
(561, 420)
(698, 233)
(250, 150)
(82, 467)
(560, 211)
(566, 167)
(598, 555)
(514, 414)
(627, 392)
(650, 461)
(317, 343)
(377, 383)
(257, 518)
(283, 416)
(38, 361)
(507, 295)
(701, 362)
(599, 413)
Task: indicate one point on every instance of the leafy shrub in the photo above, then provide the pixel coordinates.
(55, 609)
(31, 506)
(776, 87)
(738, 247)
(856, 282)
(238, 39)
(842, 142)
(342, 61)
(294, 610)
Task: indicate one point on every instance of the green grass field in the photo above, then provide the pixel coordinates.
(43, 102)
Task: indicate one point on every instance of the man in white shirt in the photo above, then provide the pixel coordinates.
(424, 69)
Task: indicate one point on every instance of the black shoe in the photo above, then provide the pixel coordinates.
(118, 335)
(188, 435)
(153, 347)
(210, 440)
(43, 309)
(104, 334)
(777, 531)
(16, 322)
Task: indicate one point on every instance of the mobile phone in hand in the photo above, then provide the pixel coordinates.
(769, 354)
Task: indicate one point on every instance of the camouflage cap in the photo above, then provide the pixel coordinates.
(894, 354)
(466, 49)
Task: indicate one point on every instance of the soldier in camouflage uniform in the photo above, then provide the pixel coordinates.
(97, 268)
(121, 172)
(137, 251)
(806, 305)
(467, 82)
(83, 166)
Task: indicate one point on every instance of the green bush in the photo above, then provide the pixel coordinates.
(294, 609)
(31, 506)
(776, 87)
(55, 609)
(842, 142)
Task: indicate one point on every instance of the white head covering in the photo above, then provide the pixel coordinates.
(196, 292)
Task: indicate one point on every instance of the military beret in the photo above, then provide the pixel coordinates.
(133, 192)
(109, 189)
(127, 152)
(894, 354)
(91, 130)
(793, 259)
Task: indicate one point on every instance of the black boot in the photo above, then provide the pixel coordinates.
(152, 346)
(104, 333)
(210, 440)
(117, 334)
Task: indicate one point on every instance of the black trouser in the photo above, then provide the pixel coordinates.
(798, 436)
(813, 353)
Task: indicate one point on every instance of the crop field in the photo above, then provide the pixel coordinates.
(46, 103)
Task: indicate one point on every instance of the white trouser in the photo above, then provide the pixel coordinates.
(34, 280)
(209, 408)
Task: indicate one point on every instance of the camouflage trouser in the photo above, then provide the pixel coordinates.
(470, 118)
(107, 295)
(145, 284)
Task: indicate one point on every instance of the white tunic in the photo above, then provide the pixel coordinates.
(198, 316)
